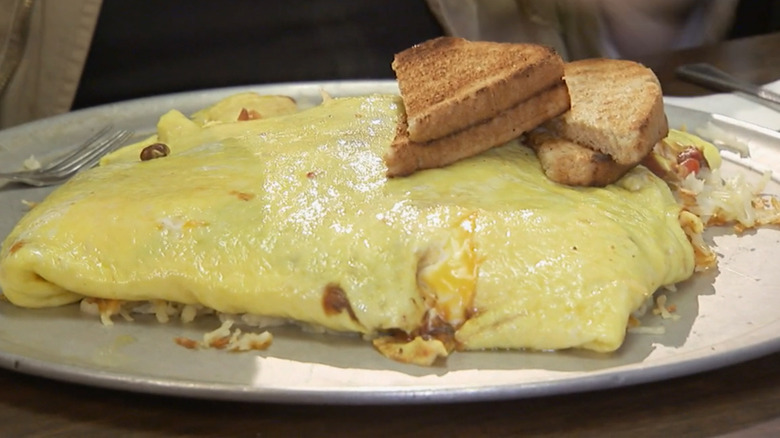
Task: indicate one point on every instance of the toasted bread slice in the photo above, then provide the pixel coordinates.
(569, 163)
(449, 84)
(406, 156)
(616, 108)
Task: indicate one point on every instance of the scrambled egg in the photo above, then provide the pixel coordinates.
(292, 217)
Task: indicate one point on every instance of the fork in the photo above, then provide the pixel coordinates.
(85, 156)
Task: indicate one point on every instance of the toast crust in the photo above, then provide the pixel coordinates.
(407, 156)
(450, 83)
(569, 163)
(616, 108)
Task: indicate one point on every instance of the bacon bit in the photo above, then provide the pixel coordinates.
(690, 166)
(186, 343)
(662, 309)
(220, 343)
(335, 301)
(154, 151)
(311, 174)
(256, 342)
(398, 335)
(16, 246)
(257, 345)
(690, 153)
(434, 327)
(246, 114)
(242, 195)
(690, 160)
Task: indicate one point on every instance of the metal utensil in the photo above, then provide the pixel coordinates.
(712, 77)
(84, 156)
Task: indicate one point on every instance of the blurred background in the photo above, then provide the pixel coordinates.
(158, 47)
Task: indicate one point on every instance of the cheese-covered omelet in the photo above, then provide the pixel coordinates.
(293, 217)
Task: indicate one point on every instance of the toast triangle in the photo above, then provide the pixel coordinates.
(617, 108)
(450, 83)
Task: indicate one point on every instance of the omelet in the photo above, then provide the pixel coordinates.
(292, 217)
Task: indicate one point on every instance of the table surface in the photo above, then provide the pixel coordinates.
(741, 400)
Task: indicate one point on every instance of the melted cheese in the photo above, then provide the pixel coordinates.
(273, 216)
(447, 274)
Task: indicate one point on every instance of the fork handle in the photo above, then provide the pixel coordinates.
(710, 76)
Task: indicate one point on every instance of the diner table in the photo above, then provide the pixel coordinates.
(738, 400)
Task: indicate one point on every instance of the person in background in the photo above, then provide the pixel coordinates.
(81, 53)
(591, 28)
(60, 55)
(43, 45)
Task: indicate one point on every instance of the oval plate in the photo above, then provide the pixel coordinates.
(728, 315)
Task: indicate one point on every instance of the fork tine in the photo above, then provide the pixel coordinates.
(86, 157)
(90, 142)
(90, 157)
